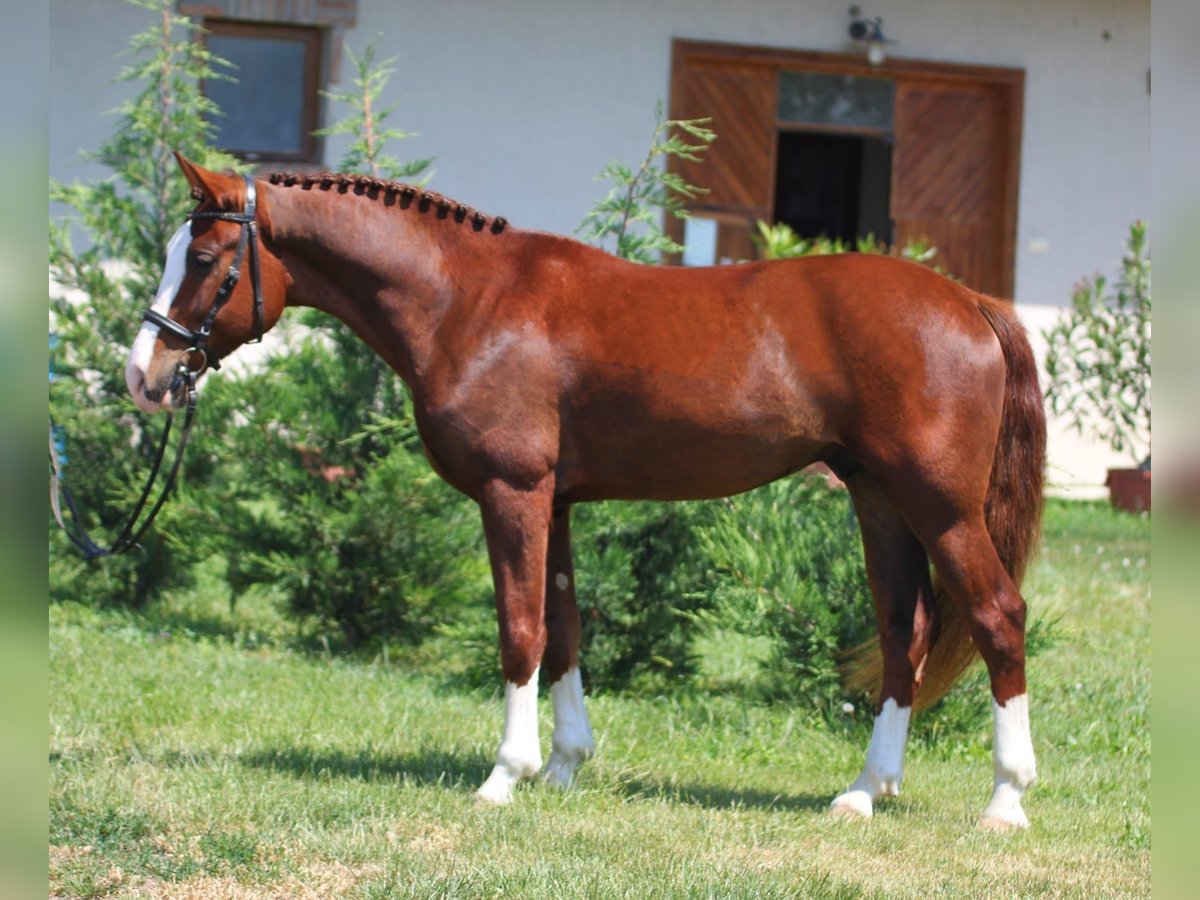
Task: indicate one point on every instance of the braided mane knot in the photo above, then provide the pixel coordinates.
(374, 188)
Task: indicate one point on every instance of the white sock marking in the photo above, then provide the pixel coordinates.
(1015, 766)
(884, 767)
(142, 351)
(520, 755)
(572, 742)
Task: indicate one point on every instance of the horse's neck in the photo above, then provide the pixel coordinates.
(390, 274)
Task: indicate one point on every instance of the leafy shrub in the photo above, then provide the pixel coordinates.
(639, 573)
(1098, 354)
(789, 566)
(641, 580)
(780, 241)
(639, 198)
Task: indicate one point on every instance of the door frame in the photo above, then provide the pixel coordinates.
(1009, 82)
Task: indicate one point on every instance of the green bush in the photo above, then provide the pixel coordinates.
(332, 504)
(330, 501)
(780, 241)
(102, 290)
(789, 567)
(641, 580)
(1098, 355)
(628, 218)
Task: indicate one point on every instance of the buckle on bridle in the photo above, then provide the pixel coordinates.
(185, 360)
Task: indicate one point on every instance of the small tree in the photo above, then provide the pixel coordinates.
(641, 575)
(788, 566)
(635, 205)
(332, 503)
(365, 122)
(128, 219)
(1098, 355)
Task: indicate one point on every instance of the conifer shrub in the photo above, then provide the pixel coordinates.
(641, 579)
(96, 305)
(788, 566)
(334, 508)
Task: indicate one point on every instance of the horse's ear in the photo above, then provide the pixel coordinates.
(206, 185)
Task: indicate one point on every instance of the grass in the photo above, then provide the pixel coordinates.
(194, 753)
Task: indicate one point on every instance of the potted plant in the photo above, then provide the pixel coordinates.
(1098, 365)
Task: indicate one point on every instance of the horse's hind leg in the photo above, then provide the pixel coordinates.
(572, 742)
(898, 572)
(516, 523)
(969, 566)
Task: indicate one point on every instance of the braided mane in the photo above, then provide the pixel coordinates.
(391, 192)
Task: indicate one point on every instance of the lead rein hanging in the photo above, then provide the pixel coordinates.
(129, 537)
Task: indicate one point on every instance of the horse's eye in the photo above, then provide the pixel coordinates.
(204, 260)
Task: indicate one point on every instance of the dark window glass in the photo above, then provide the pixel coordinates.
(847, 101)
(270, 111)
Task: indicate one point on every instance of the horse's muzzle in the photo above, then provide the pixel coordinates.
(165, 395)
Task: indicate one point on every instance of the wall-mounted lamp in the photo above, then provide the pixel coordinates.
(869, 32)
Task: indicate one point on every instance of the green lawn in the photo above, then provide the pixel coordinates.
(195, 753)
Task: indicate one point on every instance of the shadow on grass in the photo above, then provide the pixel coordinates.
(448, 769)
(711, 797)
(423, 767)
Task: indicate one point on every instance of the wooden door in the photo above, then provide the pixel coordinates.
(738, 169)
(956, 150)
(950, 165)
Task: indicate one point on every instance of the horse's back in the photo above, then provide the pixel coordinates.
(701, 382)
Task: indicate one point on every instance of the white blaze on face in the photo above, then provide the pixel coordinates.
(142, 351)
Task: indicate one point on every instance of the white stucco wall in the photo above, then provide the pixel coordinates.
(524, 101)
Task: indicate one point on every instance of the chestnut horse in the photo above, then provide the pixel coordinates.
(544, 373)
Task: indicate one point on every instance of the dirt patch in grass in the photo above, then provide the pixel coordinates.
(317, 882)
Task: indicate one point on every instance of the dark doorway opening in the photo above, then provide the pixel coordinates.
(835, 185)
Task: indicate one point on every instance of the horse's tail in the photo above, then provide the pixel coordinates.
(1013, 511)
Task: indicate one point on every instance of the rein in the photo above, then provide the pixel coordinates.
(129, 537)
(197, 340)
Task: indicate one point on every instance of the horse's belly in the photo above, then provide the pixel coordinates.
(671, 451)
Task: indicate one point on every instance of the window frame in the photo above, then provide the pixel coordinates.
(313, 37)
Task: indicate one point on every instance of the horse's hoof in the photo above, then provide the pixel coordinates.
(497, 790)
(1004, 812)
(1003, 822)
(852, 805)
(492, 798)
(558, 773)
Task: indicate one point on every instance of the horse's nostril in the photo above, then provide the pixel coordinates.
(155, 394)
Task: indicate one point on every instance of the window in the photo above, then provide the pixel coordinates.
(836, 100)
(270, 111)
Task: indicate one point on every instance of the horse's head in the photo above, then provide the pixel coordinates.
(221, 287)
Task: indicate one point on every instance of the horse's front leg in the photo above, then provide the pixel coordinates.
(572, 742)
(516, 524)
(898, 572)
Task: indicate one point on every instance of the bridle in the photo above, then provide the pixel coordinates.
(197, 341)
